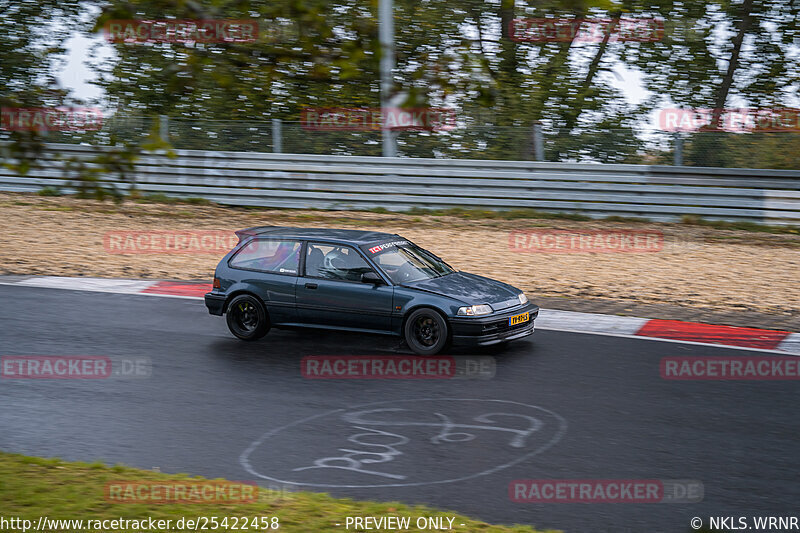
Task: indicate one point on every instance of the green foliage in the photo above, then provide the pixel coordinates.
(743, 150)
(50, 191)
(30, 41)
(713, 51)
(91, 176)
(325, 53)
(331, 60)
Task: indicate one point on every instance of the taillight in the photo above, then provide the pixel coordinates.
(217, 284)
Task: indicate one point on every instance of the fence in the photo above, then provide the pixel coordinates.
(472, 141)
(662, 193)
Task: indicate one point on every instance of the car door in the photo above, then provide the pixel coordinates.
(331, 292)
(270, 268)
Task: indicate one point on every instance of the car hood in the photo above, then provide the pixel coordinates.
(470, 289)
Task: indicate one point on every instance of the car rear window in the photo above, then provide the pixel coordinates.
(264, 255)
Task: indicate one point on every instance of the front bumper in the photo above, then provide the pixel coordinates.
(215, 303)
(492, 329)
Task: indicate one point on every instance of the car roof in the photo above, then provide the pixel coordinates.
(352, 236)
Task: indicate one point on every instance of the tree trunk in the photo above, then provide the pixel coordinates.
(733, 64)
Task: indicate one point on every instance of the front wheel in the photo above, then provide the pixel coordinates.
(426, 332)
(247, 318)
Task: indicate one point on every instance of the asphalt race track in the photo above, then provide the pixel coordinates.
(219, 407)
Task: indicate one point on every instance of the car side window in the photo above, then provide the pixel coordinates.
(277, 256)
(330, 261)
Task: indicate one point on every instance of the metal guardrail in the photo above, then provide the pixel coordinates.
(661, 193)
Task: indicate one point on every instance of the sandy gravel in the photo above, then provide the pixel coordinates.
(696, 266)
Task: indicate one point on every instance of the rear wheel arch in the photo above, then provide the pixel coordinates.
(239, 292)
(248, 319)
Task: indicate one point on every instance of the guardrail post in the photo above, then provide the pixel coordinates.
(538, 143)
(163, 127)
(677, 149)
(277, 135)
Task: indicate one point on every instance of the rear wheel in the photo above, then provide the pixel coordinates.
(426, 332)
(247, 318)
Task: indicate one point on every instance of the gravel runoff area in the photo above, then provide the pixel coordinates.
(676, 264)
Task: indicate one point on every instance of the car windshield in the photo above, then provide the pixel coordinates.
(405, 263)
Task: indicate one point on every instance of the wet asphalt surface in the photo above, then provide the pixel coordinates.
(560, 406)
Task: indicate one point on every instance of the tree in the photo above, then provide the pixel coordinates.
(446, 55)
(30, 41)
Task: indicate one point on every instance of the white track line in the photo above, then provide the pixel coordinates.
(589, 322)
(791, 344)
(120, 286)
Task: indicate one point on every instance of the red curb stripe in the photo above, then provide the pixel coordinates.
(174, 288)
(766, 339)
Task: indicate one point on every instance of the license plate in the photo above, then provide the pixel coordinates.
(518, 319)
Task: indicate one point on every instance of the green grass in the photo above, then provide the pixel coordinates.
(617, 218)
(197, 201)
(507, 214)
(743, 226)
(352, 221)
(161, 198)
(32, 487)
(525, 213)
(49, 191)
(154, 198)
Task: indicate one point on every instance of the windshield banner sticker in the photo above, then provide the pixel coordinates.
(384, 246)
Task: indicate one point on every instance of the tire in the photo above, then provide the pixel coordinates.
(426, 332)
(247, 319)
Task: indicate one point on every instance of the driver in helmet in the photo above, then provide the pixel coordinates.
(335, 265)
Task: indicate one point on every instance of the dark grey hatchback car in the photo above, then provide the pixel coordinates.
(365, 281)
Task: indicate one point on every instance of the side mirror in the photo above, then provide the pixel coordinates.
(371, 277)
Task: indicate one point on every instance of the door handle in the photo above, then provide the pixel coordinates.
(311, 285)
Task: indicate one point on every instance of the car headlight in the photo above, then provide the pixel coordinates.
(522, 298)
(475, 310)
